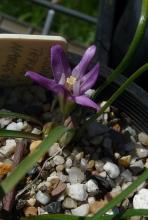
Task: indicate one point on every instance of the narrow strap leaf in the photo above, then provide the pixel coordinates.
(8, 183)
(19, 115)
(18, 134)
(142, 24)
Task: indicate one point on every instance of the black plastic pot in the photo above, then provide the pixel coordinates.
(133, 102)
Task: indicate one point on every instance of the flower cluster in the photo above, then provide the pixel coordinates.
(71, 85)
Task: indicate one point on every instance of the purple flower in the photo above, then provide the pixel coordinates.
(69, 84)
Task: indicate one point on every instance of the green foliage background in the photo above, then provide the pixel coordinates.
(70, 27)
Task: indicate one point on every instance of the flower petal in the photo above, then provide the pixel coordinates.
(88, 80)
(81, 68)
(59, 62)
(45, 82)
(85, 101)
(76, 88)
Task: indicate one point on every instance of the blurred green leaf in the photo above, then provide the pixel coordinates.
(8, 114)
(18, 134)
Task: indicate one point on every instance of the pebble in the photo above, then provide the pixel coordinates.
(54, 149)
(60, 168)
(69, 203)
(83, 164)
(43, 198)
(68, 163)
(76, 175)
(140, 200)
(53, 181)
(90, 165)
(112, 170)
(143, 138)
(31, 201)
(58, 160)
(125, 161)
(82, 210)
(4, 122)
(127, 175)
(137, 167)
(115, 191)
(13, 126)
(141, 152)
(77, 191)
(53, 207)
(34, 145)
(79, 156)
(131, 131)
(59, 189)
(91, 199)
(5, 168)
(92, 187)
(97, 205)
(9, 148)
(36, 131)
(41, 211)
(30, 211)
(99, 165)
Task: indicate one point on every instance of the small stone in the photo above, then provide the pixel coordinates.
(58, 160)
(43, 198)
(4, 122)
(13, 126)
(99, 165)
(59, 189)
(36, 131)
(77, 191)
(131, 131)
(91, 200)
(90, 165)
(62, 177)
(44, 184)
(140, 200)
(82, 210)
(9, 148)
(5, 168)
(53, 181)
(54, 207)
(54, 149)
(34, 145)
(30, 211)
(92, 187)
(83, 164)
(103, 174)
(41, 211)
(61, 197)
(143, 138)
(127, 176)
(112, 170)
(115, 191)
(137, 167)
(68, 163)
(116, 127)
(31, 201)
(141, 152)
(97, 205)
(76, 175)
(79, 156)
(60, 168)
(125, 161)
(69, 203)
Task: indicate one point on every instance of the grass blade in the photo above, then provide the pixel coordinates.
(8, 114)
(142, 24)
(118, 199)
(18, 134)
(8, 183)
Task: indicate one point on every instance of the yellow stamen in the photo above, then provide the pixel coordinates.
(70, 81)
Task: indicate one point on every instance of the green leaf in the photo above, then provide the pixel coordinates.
(142, 24)
(8, 114)
(118, 199)
(117, 93)
(18, 134)
(8, 183)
